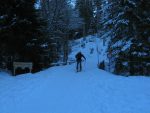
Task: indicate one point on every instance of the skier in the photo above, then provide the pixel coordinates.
(79, 57)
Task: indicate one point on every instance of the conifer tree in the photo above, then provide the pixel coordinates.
(85, 8)
(20, 30)
(130, 36)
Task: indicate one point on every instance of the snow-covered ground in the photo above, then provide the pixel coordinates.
(62, 90)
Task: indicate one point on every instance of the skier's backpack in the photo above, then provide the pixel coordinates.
(78, 56)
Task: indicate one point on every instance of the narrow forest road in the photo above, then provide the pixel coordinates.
(62, 90)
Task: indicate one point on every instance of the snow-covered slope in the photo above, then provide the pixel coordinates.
(62, 90)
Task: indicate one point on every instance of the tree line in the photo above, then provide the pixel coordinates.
(42, 35)
(127, 25)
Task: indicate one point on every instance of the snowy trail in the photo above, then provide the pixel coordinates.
(62, 90)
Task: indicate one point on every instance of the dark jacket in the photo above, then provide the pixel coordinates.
(79, 56)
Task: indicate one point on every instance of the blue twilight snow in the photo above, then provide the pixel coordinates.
(61, 90)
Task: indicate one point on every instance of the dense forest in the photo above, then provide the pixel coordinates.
(41, 34)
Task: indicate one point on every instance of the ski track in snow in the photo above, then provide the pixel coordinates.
(62, 90)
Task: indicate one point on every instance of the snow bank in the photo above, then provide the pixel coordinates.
(62, 90)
